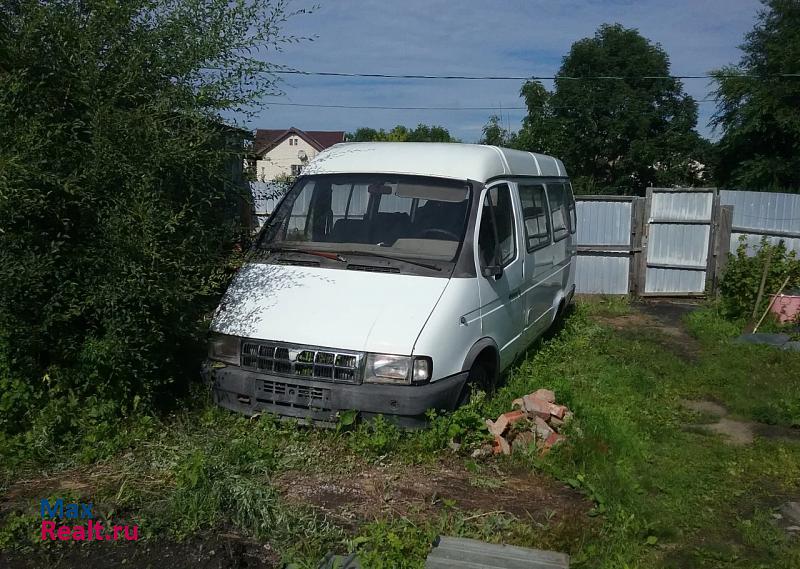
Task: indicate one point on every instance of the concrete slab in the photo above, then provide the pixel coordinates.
(462, 553)
(777, 340)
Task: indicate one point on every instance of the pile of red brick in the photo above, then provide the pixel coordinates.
(536, 419)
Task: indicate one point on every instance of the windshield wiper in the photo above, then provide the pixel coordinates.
(391, 258)
(325, 254)
(338, 256)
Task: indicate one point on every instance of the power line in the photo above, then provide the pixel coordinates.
(391, 108)
(388, 108)
(528, 77)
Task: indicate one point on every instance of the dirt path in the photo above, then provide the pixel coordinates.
(210, 552)
(367, 492)
(662, 320)
(422, 491)
(735, 431)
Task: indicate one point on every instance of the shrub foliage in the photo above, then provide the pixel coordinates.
(118, 198)
(743, 274)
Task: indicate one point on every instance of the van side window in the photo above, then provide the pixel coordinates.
(557, 198)
(534, 214)
(496, 237)
(573, 216)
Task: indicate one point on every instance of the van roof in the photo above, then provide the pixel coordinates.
(439, 159)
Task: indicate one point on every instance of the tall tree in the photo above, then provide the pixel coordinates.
(400, 133)
(495, 134)
(758, 111)
(538, 132)
(115, 193)
(618, 135)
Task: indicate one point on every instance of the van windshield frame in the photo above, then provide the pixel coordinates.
(389, 215)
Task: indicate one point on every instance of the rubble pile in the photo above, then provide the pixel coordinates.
(536, 419)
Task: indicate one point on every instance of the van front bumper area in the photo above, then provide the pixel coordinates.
(319, 401)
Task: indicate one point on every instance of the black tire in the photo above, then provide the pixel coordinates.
(480, 377)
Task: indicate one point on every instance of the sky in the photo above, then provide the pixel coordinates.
(477, 37)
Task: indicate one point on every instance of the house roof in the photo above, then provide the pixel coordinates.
(266, 139)
(444, 160)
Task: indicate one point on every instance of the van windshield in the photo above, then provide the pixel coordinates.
(391, 215)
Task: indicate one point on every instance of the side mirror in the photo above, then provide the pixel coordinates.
(492, 271)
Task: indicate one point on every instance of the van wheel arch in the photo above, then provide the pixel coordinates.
(485, 354)
(559, 307)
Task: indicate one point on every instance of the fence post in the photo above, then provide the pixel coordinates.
(711, 260)
(722, 243)
(645, 237)
(637, 231)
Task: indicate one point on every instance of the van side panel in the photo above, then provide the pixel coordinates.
(557, 282)
(455, 325)
(452, 328)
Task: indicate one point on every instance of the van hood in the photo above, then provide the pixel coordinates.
(331, 308)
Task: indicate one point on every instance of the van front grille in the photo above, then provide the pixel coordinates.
(301, 361)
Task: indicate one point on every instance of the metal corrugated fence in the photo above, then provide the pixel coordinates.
(775, 216)
(678, 240)
(603, 222)
(604, 244)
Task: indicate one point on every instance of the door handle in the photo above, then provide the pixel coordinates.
(513, 295)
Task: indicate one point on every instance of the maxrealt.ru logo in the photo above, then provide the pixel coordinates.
(86, 529)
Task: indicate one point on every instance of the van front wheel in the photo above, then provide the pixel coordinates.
(481, 376)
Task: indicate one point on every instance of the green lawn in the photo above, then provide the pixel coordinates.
(656, 489)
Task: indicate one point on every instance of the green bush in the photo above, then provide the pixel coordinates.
(119, 196)
(743, 274)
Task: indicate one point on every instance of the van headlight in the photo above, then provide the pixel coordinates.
(224, 348)
(388, 368)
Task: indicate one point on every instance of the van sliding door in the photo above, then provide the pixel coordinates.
(538, 259)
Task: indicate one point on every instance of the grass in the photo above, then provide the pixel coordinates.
(664, 495)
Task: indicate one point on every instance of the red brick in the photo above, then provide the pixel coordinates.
(553, 440)
(543, 430)
(558, 411)
(504, 421)
(514, 416)
(545, 395)
(501, 445)
(537, 407)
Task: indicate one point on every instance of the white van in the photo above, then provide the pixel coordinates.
(391, 277)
